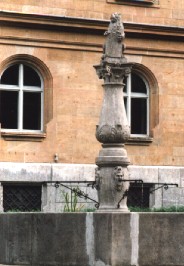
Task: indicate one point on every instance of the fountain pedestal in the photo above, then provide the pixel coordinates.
(113, 129)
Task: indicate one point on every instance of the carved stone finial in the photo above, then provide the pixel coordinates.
(114, 47)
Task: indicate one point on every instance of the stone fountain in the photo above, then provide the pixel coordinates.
(113, 129)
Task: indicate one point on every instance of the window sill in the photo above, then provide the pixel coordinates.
(149, 3)
(140, 141)
(23, 136)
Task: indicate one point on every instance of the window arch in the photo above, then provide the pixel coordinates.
(25, 97)
(21, 99)
(141, 102)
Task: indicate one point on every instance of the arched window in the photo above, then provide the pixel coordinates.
(136, 99)
(21, 99)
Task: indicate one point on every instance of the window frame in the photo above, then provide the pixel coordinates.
(143, 3)
(47, 77)
(20, 88)
(152, 83)
(129, 95)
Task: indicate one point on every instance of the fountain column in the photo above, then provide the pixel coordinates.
(113, 129)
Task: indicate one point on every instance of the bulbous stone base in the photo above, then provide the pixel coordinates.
(112, 178)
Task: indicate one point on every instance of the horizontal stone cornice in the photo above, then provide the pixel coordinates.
(92, 47)
(10, 21)
(49, 22)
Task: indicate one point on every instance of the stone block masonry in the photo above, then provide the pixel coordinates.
(92, 239)
(35, 173)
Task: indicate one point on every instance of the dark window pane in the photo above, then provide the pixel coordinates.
(138, 116)
(21, 198)
(32, 111)
(125, 103)
(31, 78)
(138, 195)
(10, 75)
(125, 86)
(138, 84)
(8, 109)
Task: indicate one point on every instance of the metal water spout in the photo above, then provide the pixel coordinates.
(113, 129)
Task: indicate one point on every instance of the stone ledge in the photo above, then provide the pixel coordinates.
(51, 22)
(41, 172)
(23, 136)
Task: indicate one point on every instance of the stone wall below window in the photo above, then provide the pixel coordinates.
(80, 175)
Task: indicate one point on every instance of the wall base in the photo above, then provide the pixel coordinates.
(92, 239)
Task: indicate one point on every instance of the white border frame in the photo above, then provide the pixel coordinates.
(20, 89)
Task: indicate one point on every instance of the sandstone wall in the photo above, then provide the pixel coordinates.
(69, 55)
(164, 12)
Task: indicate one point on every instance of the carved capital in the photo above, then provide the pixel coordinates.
(112, 72)
(112, 134)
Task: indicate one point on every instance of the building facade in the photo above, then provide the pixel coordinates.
(50, 96)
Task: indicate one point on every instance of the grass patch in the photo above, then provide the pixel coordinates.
(161, 209)
(170, 209)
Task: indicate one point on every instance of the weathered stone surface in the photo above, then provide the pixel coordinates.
(51, 196)
(113, 125)
(182, 176)
(49, 202)
(69, 247)
(17, 233)
(149, 174)
(161, 239)
(73, 172)
(113, 129)
(169, 175)
(34, 172)
(173, 197)
(92, 239)
(83, 172)
(1, 198)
